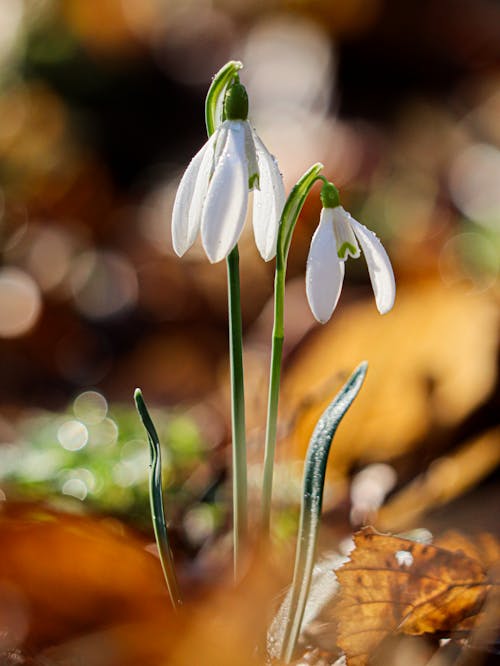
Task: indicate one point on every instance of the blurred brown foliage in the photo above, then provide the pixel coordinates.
(77, 589)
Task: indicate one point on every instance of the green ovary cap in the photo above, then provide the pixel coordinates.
(329, 196)
(236, 103)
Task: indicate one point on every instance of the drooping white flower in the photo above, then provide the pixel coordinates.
(213, 194)
(335, 239)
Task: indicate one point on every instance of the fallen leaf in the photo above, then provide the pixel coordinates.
(392, 585)
(431, 364)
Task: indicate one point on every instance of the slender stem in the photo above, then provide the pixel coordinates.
(237, 409)
(273, 396)
(289, 217)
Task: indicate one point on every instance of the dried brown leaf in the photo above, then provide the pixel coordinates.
(393, 585)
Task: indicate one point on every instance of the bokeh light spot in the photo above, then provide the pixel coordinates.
(474, 179)
(199, 523)
(124, 475)
(90, 407)
(73, 435)
(20, 302)
(104, 433)
(104, 284)
(75, 488)
(49, 258)
(11, 14)
(289, 66)
(470, 257)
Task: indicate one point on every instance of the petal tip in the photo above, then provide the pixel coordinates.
(385, 308)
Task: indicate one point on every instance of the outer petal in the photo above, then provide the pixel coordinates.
(379, 267)
(225, 205)
(205, 172)
(268, 201)
(325, 271)
(184, 226)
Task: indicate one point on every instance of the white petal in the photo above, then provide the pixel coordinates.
(268, 201)
(184, 229)
(225, 205)
(347, 245)
(325, 271)
(212, 147)
(379, 267)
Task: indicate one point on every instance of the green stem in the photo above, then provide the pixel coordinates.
(214, 115)
(237, 409)
(289, 217)
(273, 397)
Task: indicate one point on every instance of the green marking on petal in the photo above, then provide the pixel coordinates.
(253, 181)
(346, 249)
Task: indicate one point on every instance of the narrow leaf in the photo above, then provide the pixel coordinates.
(312, 501)
(156, 502)
(215, 95)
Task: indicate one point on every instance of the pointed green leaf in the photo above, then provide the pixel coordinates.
(312, 501)
(156, 502)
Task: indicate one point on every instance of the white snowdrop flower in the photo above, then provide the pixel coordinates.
(213, 193)
(337, 237)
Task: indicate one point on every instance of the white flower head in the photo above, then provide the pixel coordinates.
(337, 237)
(213, 192)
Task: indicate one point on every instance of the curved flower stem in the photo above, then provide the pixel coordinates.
(289, 217)
(273, 397)
(237, 408)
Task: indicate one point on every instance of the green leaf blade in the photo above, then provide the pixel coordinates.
(312, 502)
(156, 502)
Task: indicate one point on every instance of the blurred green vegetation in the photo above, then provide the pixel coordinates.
(89, 457)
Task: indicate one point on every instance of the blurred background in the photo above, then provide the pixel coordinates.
(101, 109)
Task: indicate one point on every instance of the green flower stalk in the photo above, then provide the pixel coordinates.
(289, 218)
(212, 199)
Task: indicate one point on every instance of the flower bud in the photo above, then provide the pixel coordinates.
(236, 103)
(329, 196)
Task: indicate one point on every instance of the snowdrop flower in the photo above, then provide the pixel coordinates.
(335, 239)
(213, 193)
